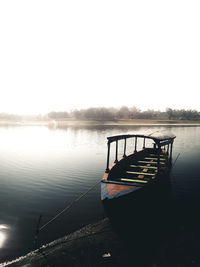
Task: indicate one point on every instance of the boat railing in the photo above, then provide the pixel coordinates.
(158, 143)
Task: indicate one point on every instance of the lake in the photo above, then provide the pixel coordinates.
(44, 169)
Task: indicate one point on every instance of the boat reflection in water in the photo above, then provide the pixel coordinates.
(136, 192)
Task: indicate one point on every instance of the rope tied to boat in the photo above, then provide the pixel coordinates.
(67, 208)
(173, 177)
(176, 160)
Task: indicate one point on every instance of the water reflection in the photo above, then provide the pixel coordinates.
(3, 234)
(42, 170)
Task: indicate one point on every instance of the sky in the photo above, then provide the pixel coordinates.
(61, 55)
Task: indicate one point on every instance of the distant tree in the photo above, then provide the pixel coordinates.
(123, 113)
(134, 112)
(182, 114)
(189, 114)
(105, 114)
(100, 113)
(77, 114)
(169, 112)
(10, 117)
(58, 115)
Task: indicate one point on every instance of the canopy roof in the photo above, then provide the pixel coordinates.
(162, 135)
(158, 136)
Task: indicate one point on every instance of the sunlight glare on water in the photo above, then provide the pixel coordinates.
(3, 234)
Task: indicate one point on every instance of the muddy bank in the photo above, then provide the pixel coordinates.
(98, 245)
(93, 245)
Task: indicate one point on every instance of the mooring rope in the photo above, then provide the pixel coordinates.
(176, 160)
(173, 177)
(67, 208)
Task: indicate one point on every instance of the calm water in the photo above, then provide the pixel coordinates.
(42, 170)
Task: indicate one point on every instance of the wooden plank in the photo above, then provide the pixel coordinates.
(151, 162)
(134, 180)
(154, 159)
(139, 177)
(140, 166)
(142, 173)
(161, 155)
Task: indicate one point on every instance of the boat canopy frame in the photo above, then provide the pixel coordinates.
(159, 139)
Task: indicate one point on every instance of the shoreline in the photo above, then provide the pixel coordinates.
(63, 123)
(87, 245)
(97, 244)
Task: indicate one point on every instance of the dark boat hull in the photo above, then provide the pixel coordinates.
(135, 192)
(141, 220)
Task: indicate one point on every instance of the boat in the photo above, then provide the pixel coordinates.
(142, 169)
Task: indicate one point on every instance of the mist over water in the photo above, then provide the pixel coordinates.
(42, 170)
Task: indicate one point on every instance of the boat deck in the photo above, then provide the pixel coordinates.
(134, 172)
(139, 169)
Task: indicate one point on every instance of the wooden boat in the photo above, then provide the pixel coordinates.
(139, 170)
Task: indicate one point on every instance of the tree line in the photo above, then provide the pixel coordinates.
(104, 113)
(9, 117)
(109, 114)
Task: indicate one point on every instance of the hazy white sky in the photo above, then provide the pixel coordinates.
(57, 55)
